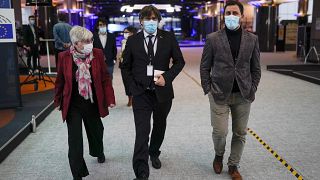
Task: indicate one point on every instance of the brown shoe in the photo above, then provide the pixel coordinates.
(234, 173)
(217, 164)
(129, 101)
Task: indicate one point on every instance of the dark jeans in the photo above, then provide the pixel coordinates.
(33, 55)
(110, 71)
(88, 112)
(143, 106)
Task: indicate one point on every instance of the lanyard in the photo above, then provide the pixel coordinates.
(154, 42)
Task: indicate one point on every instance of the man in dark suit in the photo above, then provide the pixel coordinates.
(230, 74)
(107, 42)
(146, 61)
(31, 43)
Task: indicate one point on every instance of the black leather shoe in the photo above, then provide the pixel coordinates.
(142, 177)
(156, 163)
(101, 159)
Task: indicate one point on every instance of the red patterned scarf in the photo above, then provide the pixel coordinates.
(83, 76)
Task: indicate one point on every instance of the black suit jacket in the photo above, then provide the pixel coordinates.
(28, 37)
(135, 61)
(110, 50)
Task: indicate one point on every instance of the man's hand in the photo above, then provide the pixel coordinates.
(160, 81)
(112, 105)
(66, 45)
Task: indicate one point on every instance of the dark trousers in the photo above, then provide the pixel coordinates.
(143, 106)
(33, 55)
(126, 84)
(56, 53)
(94, 128)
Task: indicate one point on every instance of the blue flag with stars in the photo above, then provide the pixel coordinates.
(6, 31)
(5, 4)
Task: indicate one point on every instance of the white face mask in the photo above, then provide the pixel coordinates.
(103, 30)
(87, 48)
(125, 35)
(32, 22)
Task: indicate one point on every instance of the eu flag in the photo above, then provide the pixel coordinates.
(6, 31)
(5, 4)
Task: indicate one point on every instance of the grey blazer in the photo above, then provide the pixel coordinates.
(218, 70)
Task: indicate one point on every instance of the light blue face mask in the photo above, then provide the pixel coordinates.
(32, 22)
(150, 26)
(232, 22)
(103, 29)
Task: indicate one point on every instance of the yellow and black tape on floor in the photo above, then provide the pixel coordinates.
(265, 145)
(276, 155)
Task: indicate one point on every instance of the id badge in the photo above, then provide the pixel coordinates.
(149, 70)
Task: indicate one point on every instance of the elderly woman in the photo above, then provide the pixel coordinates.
(83, 92)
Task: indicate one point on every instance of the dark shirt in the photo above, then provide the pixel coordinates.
(234, 38)
(76, 98)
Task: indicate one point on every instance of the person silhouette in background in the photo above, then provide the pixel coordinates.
(106, 42)
(128, 31)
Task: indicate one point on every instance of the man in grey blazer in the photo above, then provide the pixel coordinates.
(230, 73)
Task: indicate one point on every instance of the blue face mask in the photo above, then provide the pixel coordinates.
(150, 26)
(32, 22)
(103, 29)
(232, 22)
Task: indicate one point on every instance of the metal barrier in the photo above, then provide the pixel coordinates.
(48, 54)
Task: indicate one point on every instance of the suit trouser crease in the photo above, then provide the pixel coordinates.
(144, 106)
(240, 110)
(126, 83)
(94, 129)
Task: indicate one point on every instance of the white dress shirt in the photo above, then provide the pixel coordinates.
(153, 39)
(34, 33)
(103, 39)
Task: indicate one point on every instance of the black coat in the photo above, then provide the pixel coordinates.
(28, 37)
(135, 61)
(110, 50)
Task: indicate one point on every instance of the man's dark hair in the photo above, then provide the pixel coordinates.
(131, 29)
(148, 10)
(232, 3)
(32, 16)
(100, 19)
(62, 17)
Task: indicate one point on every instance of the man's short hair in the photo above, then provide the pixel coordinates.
(232, 3)
(32, 16)
(102, 20)
(147, 12)
(131, 29)
(62, 16)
